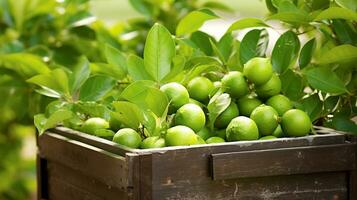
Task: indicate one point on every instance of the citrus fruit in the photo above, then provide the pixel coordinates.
(270, 88)
(247, 104)
(92, 124)
(278, 132)
(268, 137)
(114, 123)
(212, 140)
(235, 84)
(200, 88)
(180, 135)
(190, 115)
(205, 133)
(226, 116)
(221, 133)
(200, 140)
(153, 142)
(195, 102)
(296, 123)
(104, 133)
(266, 119)
(128, 137)
(177, 95)
(280, 103)
(242, 128)
(258, 70)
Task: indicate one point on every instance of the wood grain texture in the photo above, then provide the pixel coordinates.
(283, 161)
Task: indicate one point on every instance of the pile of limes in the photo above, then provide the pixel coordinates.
(257, 110)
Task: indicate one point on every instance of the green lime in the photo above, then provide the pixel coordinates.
(268, 137)
(296, 123)
(278, 132)
(242, 128)
(235, 84)
(190, 115)
(153, 142)
(266, 119)
(247, 104)
(104, 133)
(200, 88)
(177, 94)
(258, 70)
(270, 88)
(205, 133)
(128, 137)
(200, 140)
(92, 124)
(212, 140)
(226, 116)
(180, 136)
(280, 103)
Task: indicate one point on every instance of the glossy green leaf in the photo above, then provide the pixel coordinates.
(193, 21)
(342, 53)
(108, 70)
(292, 85)
(344, 31)
(201, 41)
(80, 74)
(143, 7)
(254, 44)
(285, 51)
(225, 45)
(217, 104)
(136, 68)
(159, 52)
(178, 65)
(127, 113)
(116, 58)
(349, 4)
(42, 123)
(306, 53)
(216, 51)
(344, 124)
(312, 106)
(246, 23)
(96, 87)
(324, 79)
(217, 6)
(92, 109)
(337, 13)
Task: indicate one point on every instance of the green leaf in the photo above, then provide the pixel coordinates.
(42, 123)
(337, 13)
(80, 74)
(108, 70)
(285, 51)
(217, 104)
(330, 104)
(216, 51)
(292, 85)
(143, 7)
(92, 109)
(24, 64)
(127, 113)
(349, 4)
(151, 123)
(116, 57)
(342, 53)
(146, 96)
(225, 45)
(178, 67)
(96, 87)
(201, 40)
(136, 68)
(344, 124)
(324, 79)
(312, 105)
(217, 5)
(306, 53)
(193, 21)
(56, 80)
(159, 51)
(288, 12)
(254, 44)
(344, 32)
(246, 23)
(198, 70)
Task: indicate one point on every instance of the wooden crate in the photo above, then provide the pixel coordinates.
(74, 165)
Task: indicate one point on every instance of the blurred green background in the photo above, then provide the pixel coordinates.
(25, 27)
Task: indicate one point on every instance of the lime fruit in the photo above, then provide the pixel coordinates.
(266, 119)
(212, 140)
(191, 115)
(153, 142)
(92, 124)
(128, 137)
(268, 137)
(226, 116)
(200, 88)
(205, 133)
(104, 133)
(180, 136)
(296, 123)
(278, 132)
(177, 95)
(242, 128)
(235, 84)
(258, 70)
(270, 88)
(200, 140)
(280, 103)
(221, 133)
(247, 104)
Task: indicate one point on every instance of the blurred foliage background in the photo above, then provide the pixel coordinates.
(39, 35)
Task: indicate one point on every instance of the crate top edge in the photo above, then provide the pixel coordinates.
(70, 132)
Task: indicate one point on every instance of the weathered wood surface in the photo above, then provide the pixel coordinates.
(283, 161)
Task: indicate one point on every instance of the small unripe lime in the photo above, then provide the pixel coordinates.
(258, 70)
(180, 136)
(200, 88)
(247, 104)
(270, 88)
(212, 140)
(242, 128)
(92, 124)
(266, 119)
(128, 137)
(177, 94)
(153, 142)
(191, 115)
(296, 123)
(235, 84)
(226, 116)
(280, 103)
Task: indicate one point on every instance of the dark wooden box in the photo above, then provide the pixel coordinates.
(74, 165)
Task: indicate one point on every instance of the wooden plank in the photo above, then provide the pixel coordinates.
(99, 164)
(83, 182)
(302, 187)
(353, 173)
(42, 178)
(284, 161)
(146, 177)
(95, 141)
(134, 181)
